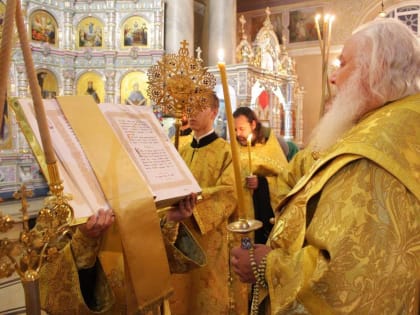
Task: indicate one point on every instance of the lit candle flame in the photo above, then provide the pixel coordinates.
(221, 55)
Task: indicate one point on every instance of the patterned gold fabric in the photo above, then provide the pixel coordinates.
(204, 291)
(183, 140)
(147, 274)
(60, 291)
(184, 252)
(268, 160)
(360, 253)
(60, 283)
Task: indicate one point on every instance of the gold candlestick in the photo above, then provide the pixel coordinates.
(26, 254)
(245, 227)
(324, 44)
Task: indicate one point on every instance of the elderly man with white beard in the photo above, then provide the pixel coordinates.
(346, 238)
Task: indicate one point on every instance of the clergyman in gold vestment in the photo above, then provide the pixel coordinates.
(267, 162)
(347, 234)
(205, 291)
(70, 285)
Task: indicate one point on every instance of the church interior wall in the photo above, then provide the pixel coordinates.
(113, 65)
(72, 65)
(348, 16)
(308, 69)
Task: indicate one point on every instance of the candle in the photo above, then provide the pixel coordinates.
(41, 117)
(324, 34)
(249, 140)
(330, 21)
(232, 135)
(318, 31)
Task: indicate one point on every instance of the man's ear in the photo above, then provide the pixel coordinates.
(215, 112)
(253, 125)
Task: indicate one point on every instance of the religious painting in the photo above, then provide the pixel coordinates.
(43, 27)
(48, 83)
(90, 33)
(134, 32)
(134, 89)
(91, 83)
(302, 26)
(2, 12)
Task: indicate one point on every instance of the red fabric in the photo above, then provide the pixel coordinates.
(263, 99)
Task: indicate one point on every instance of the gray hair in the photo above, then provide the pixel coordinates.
(389, 57)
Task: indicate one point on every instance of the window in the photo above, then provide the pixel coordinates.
(409, 15)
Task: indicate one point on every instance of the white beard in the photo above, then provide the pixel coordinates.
(346, 109)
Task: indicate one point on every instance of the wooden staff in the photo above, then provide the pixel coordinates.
(6, 53)
(35, 89)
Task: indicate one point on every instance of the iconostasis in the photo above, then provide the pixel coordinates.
(100, 48)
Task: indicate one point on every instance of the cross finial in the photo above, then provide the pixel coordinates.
(23, 193)
(242, 20)
(268, 11)
(184, 44)
(198, 51)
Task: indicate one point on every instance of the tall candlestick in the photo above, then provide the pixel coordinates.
(318, 30)
(324, 34)
(324, 43)
(330, 21)
(232, 135)
(249, 140)
(41, 117)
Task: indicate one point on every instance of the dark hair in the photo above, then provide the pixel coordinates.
(251, 116)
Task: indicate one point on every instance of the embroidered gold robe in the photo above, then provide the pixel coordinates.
(267, 160)
(347, 236)
(60, 284)
(205, 290)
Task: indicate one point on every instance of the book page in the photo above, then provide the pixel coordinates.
(152, 151)
(78, 177)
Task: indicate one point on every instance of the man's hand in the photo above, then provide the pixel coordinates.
(183, 210)
(98, 223)
(241, 263)
(252, 182)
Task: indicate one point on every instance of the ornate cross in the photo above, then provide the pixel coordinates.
(198, 51)
(23, 194)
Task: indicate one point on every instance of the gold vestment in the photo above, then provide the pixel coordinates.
(205, 290)
(133, 274)
(346, 238)
(267, 160)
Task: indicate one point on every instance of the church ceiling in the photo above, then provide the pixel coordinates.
(249, 5)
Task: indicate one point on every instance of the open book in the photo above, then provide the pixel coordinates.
(142, 139)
